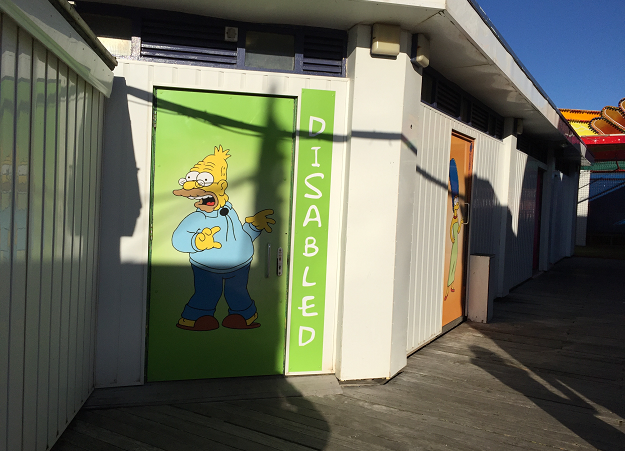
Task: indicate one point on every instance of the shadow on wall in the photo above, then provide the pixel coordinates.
(259, 178)
(606, 217)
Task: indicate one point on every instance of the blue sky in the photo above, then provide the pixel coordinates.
(575, 49)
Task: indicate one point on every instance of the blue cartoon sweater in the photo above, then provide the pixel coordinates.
(237, 248)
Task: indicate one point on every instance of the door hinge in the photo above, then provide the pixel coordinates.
(154, 119)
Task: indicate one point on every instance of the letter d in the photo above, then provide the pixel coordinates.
(301, 333)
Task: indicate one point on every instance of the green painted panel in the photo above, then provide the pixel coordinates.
(314, 168)
(256, 134)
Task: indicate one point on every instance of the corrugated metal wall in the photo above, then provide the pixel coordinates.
(520, 219)
(487, 208)
(582, 208)
(425, 303)
(49, 152)
(563, 213)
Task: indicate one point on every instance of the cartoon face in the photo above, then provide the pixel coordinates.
(456, 204)
(206, 182)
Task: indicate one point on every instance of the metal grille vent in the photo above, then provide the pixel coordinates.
(186, 42)
(479, 118)
(323, 55)
(448, 100)
(498, 128)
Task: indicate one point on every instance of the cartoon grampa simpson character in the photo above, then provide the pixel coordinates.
(220, 248)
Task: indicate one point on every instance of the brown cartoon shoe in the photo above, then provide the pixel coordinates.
(238, 322)
(203, 323)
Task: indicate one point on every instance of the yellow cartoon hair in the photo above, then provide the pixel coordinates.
(215, 164)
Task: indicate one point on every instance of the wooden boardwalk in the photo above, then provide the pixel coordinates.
(547, 373)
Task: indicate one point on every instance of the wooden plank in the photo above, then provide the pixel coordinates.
(197, 426)
(20, 240)
(65, 445)
(488, 377)
(351, 427)
(417, 430)
(147, 431)
(8, 49)
(36, 307)
(84, 442)
(97, 434)
(196, 413)
(556, 364)
(285, 430)
(214, 390)
(511, 422)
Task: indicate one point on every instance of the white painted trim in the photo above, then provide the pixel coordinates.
(45, 23)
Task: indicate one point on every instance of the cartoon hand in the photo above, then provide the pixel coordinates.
(206, 239)
(261, 221)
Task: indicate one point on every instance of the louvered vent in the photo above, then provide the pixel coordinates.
(199, 43)
(448, 100)
(479, 118)
(523, 144)
(498, 128)
(323, 55)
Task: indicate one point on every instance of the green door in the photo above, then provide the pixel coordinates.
(220, 220)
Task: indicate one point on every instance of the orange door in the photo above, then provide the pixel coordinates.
(456, 228)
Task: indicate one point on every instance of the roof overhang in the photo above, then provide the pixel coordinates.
(465, 47)
(46, 24)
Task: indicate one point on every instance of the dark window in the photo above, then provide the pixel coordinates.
(427, 89)
(269, 50)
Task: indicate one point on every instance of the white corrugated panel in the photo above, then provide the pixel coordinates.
(582, 207)
(49, 151)
(563, 213)
(521, 217)
(430, 216)
(487, 209)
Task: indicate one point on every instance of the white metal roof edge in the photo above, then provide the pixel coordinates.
(482, 32)
(47, 25)
(468, 19)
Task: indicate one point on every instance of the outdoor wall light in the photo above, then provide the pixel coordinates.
(385, 39)
(422, 54)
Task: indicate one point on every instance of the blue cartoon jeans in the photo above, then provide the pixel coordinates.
(208, 289)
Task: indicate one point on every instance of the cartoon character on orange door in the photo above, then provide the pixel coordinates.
(220, 248)
(454, 228)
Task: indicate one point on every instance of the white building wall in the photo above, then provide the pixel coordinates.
(120, 352)
(582, 208)
(50, 134)
(520, 219)
(430, 216)
(564, 208)
(372, 322)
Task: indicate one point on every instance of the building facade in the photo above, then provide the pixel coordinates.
(291, 187)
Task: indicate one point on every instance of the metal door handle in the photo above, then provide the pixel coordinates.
(279, 261)
(468, 214)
